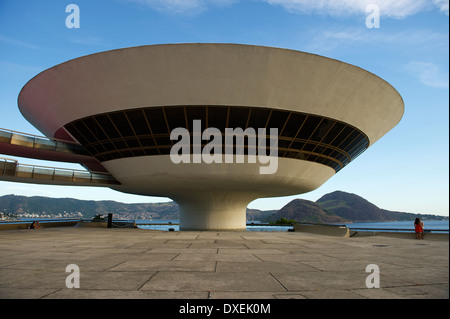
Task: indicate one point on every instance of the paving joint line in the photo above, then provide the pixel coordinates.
(278, 281)
(151, 277)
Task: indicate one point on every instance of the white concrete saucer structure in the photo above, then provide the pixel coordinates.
(122, 105)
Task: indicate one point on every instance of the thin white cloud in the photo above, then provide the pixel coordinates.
(442, 5)
(327, 40)
(17, 42)
(183, 6)
(9, 69)
(88, 40)
(430, 74)
(388, 8)
(174, 6)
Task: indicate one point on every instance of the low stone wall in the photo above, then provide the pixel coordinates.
(327, 230)
(115, 224)
(14, 226)
(92, 224)
(404, 235)
(343, 231)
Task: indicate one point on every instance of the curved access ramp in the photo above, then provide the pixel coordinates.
(21, 144)
(11, 170)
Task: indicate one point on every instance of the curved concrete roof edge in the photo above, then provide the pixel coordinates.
(393, 121)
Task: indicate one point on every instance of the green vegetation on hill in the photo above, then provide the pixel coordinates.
(305, 211)
(283, 221)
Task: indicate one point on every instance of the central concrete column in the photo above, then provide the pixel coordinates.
(213, 211)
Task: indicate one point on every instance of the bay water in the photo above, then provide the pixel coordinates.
(429, 225)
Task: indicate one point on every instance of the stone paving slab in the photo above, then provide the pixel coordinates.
(213, 281)
(147, 264)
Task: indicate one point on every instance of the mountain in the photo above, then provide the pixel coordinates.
(259, 215)
(336, 207)
(341, 207)
(357, 209)
(306, 211)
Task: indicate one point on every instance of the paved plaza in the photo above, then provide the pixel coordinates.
(138, 263)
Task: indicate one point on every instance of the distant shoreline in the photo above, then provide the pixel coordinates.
(163, 224)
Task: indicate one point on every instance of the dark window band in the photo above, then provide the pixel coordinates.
(146, 131)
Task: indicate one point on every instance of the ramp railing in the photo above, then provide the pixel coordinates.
(11, 170)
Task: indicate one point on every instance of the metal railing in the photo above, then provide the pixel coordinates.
(11, 168)
(377, 229)
(40, 142)
(408, 230)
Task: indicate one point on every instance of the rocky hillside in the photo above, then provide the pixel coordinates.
(306, 211)
(357, 209)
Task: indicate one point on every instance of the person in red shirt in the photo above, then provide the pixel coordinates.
(418, 227)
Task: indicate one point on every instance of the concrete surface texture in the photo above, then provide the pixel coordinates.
(137, 263)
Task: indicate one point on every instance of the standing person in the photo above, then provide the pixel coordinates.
(418, 228)
(423, 229)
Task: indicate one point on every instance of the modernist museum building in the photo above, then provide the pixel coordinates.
(211, 126)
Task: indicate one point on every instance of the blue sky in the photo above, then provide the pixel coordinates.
(406, 170)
